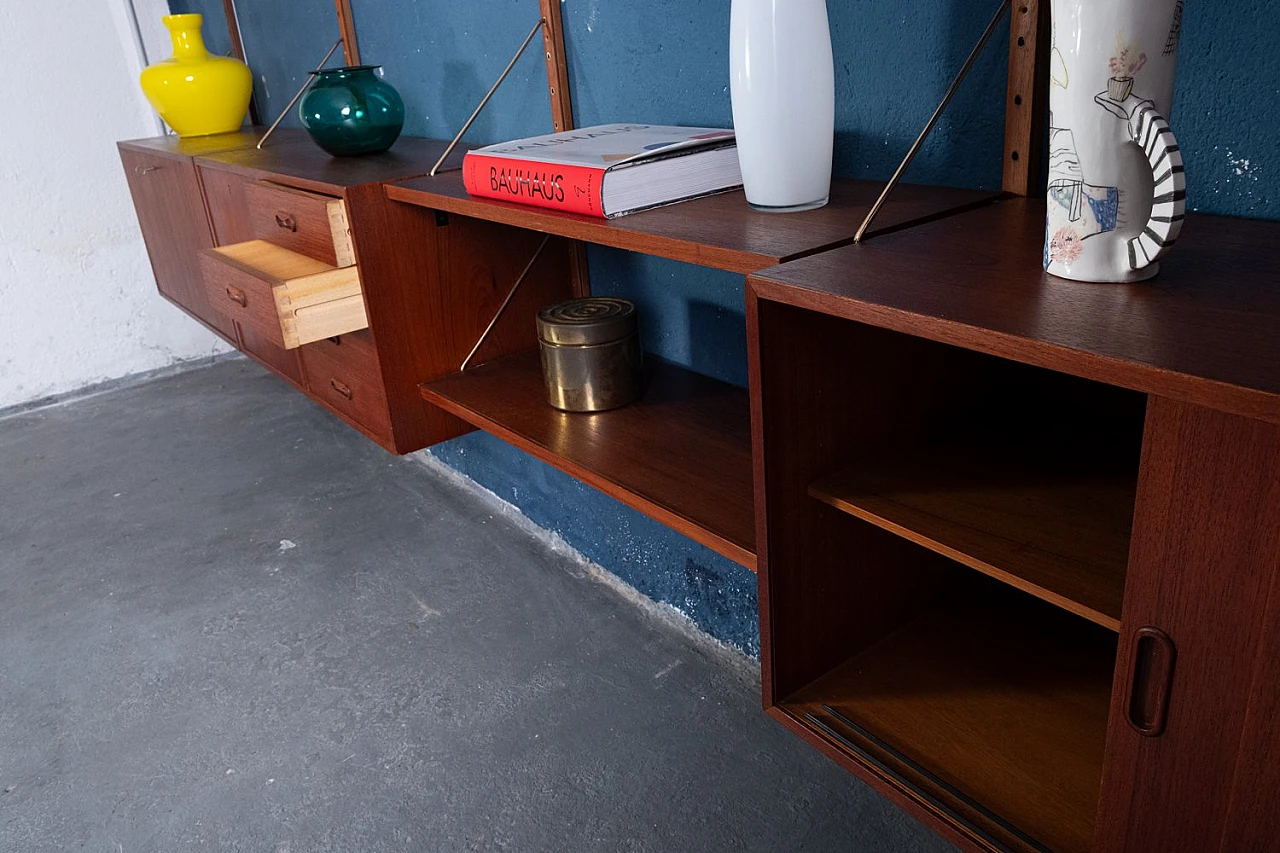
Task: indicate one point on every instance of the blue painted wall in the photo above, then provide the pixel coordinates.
(666, 61)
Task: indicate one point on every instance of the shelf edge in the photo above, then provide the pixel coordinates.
(682, 524)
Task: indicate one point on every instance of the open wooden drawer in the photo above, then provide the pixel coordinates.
(289, 298)
(308, 223)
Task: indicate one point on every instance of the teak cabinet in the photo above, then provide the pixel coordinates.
(1018, 538)
(301, 261)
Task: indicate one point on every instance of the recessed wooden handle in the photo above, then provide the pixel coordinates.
(343, 389)
(1152, 680)
(237, 296)
(286, 221)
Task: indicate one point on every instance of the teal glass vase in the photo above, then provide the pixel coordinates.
(351, 110)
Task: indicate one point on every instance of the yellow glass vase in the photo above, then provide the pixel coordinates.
(197, 94)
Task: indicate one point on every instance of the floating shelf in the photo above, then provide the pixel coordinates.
(719, 231)
(1203, 331)
(680, 455)
(1043, 521)
(994, 707)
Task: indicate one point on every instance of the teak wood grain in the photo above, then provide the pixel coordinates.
(308, 223)
(289, 298)
(285, 363)
(1204, 570)
(226, 197)
(998, 699)
(197, 146)
(304, 165)
(1250, 816)
(718, 231)
(431, 287)
(1044, 521)
(166, 197)
(347, 28)
(817, 404)
(342, 372)
(1026, 97)
(680, 455)
(557, 66)
(1204, 331)
(562, 114)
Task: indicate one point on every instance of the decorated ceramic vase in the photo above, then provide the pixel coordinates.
(1116, 195)
(196, 93)
(782, 86)
(351, 110)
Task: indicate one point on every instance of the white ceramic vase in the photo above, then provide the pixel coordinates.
(1116, 195)
(782, 84)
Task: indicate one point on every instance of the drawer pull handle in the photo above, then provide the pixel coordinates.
(142, 170)
(287, 222)
(1147, 706)
(238, 297)
(341, 388)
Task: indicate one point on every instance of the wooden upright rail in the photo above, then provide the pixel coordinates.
(1026, 99)
(562, 116)
(347, 27)
(557, 66)
(237, 50)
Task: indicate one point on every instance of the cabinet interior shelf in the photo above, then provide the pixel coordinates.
(995, 707)
(681, 454)
(1050, 523)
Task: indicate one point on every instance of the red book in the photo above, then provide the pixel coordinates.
(608, 170)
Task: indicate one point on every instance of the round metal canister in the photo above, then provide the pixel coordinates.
(590, 354)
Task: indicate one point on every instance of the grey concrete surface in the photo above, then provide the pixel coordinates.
(230, 623)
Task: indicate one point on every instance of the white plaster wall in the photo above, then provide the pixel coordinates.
(78, 303)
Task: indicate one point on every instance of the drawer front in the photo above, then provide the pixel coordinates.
(283, 361)
(343, 373)
(245, 298)
(224, 193)
(307, 223)
(287, 297)
(166, 196)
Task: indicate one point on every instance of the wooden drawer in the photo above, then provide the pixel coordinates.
(307, 223)
(166, 195)
(228, 211)
(288, 298)
(343, 373)
(282, 361)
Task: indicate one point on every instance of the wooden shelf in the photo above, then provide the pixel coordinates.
(1041, 519)
(718, 231)
(681, 455)
(304, 164)
(985, 700)
(202, 146)
(1203, 331)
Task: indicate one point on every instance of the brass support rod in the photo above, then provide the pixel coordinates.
(937, 114)
(505, 303)
(310, 79)
(485, 100)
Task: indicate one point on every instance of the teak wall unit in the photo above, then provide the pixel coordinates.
(1020, 536)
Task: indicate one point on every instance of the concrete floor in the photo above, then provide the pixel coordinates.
(228, 622)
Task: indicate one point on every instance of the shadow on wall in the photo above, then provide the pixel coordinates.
(461, 90)
(718, 341)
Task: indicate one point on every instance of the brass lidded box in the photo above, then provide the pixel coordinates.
(591, 357)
